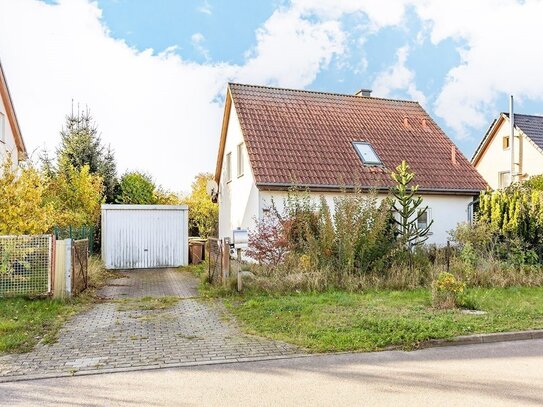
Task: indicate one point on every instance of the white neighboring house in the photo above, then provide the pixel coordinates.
(11, 140)
(493, 156)
(273, 139)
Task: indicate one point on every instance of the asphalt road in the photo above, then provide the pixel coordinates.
(508, 373)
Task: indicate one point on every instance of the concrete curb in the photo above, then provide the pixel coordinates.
(432, 343)
(484, 338)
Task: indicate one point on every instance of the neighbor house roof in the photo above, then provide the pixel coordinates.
(298, 137)
(530, 125)
(11, 116)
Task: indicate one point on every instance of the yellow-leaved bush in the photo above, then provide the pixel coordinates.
(76, 196)
(23, 208)
(32, 203)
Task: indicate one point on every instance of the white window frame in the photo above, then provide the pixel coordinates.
(378, 163)
(240, 159)
(2, 127)
(500, 174)
(228, 167)
(428, 220)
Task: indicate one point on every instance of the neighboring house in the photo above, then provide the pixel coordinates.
(493, 156)
(11, 141)
(273, 139)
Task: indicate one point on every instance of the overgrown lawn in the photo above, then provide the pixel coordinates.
(23, 321)
(375, 320)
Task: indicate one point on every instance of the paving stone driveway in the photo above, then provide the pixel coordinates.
(121, 334)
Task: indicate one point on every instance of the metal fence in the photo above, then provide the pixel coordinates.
(76, 233)
(25, 265)
(80, 265)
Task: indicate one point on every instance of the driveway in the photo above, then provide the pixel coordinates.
(497, 374)
(150, 319)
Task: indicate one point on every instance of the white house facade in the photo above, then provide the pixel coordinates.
(11, 141)
(273, 139)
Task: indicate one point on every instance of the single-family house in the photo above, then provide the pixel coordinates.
(11, 140)
(493, 155)
(273, 139)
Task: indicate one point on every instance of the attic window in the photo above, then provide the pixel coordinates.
(366, 153)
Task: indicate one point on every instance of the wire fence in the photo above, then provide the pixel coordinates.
(80, 266)
(25, 265)
(76, 233)
(215, 260)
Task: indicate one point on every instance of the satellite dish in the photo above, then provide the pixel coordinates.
(212, 188)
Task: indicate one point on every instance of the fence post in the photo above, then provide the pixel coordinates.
(447, 254)
(68, 269)
(225, 261)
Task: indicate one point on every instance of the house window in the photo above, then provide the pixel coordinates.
(424, 218)
(228, 168)
(2, 128)
(241, 160)
(505, 142)
(366, 153)
(503, 179)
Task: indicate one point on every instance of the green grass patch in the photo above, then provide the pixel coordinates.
(375, 320)
(146, 303)
(24, 321)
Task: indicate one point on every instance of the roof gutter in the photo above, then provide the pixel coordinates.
(272, 186)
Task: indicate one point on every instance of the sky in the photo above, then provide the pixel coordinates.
(154, 73)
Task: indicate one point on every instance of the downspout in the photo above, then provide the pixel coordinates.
(512, 122)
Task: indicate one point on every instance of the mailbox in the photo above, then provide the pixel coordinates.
(240, 239)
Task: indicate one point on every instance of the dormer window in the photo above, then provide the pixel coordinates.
(366, 153)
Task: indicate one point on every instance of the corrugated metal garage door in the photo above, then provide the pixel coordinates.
(144, 236)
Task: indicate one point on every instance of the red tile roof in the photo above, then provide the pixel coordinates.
(298, 137)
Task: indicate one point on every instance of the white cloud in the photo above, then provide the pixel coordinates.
(502, 55)
(291, 50)
(158, 111)
(398, 77)
(205, 8)
(197, 40)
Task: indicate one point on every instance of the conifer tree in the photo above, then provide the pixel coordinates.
(408, 207)
(81, 146)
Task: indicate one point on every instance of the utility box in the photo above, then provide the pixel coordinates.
(144, 236)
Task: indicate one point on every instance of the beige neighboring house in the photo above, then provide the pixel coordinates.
(493, 156)
(11, 140)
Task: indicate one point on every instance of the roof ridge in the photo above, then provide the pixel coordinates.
(523, 114)
(322, 92)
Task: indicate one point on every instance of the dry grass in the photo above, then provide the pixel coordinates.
(146, 303)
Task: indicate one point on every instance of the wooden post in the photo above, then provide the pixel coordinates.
(225, 262)
(240, 281)
(447, 254)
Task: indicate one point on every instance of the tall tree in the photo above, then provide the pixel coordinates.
(81, 146)
(409, 208)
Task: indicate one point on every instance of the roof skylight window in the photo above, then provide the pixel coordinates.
(366, 153)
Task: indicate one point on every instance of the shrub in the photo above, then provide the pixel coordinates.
(136, 188)
(446, 290)
(267, 242)
(23, 209)
(203, 213)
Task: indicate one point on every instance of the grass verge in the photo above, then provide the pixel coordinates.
(26, 321)
(375, 320)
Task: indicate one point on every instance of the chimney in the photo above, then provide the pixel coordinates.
(364, 93)
(453, 155)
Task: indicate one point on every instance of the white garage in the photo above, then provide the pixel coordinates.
(144, 236)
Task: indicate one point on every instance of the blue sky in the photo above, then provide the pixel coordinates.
(229, 31)
(158, 69)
